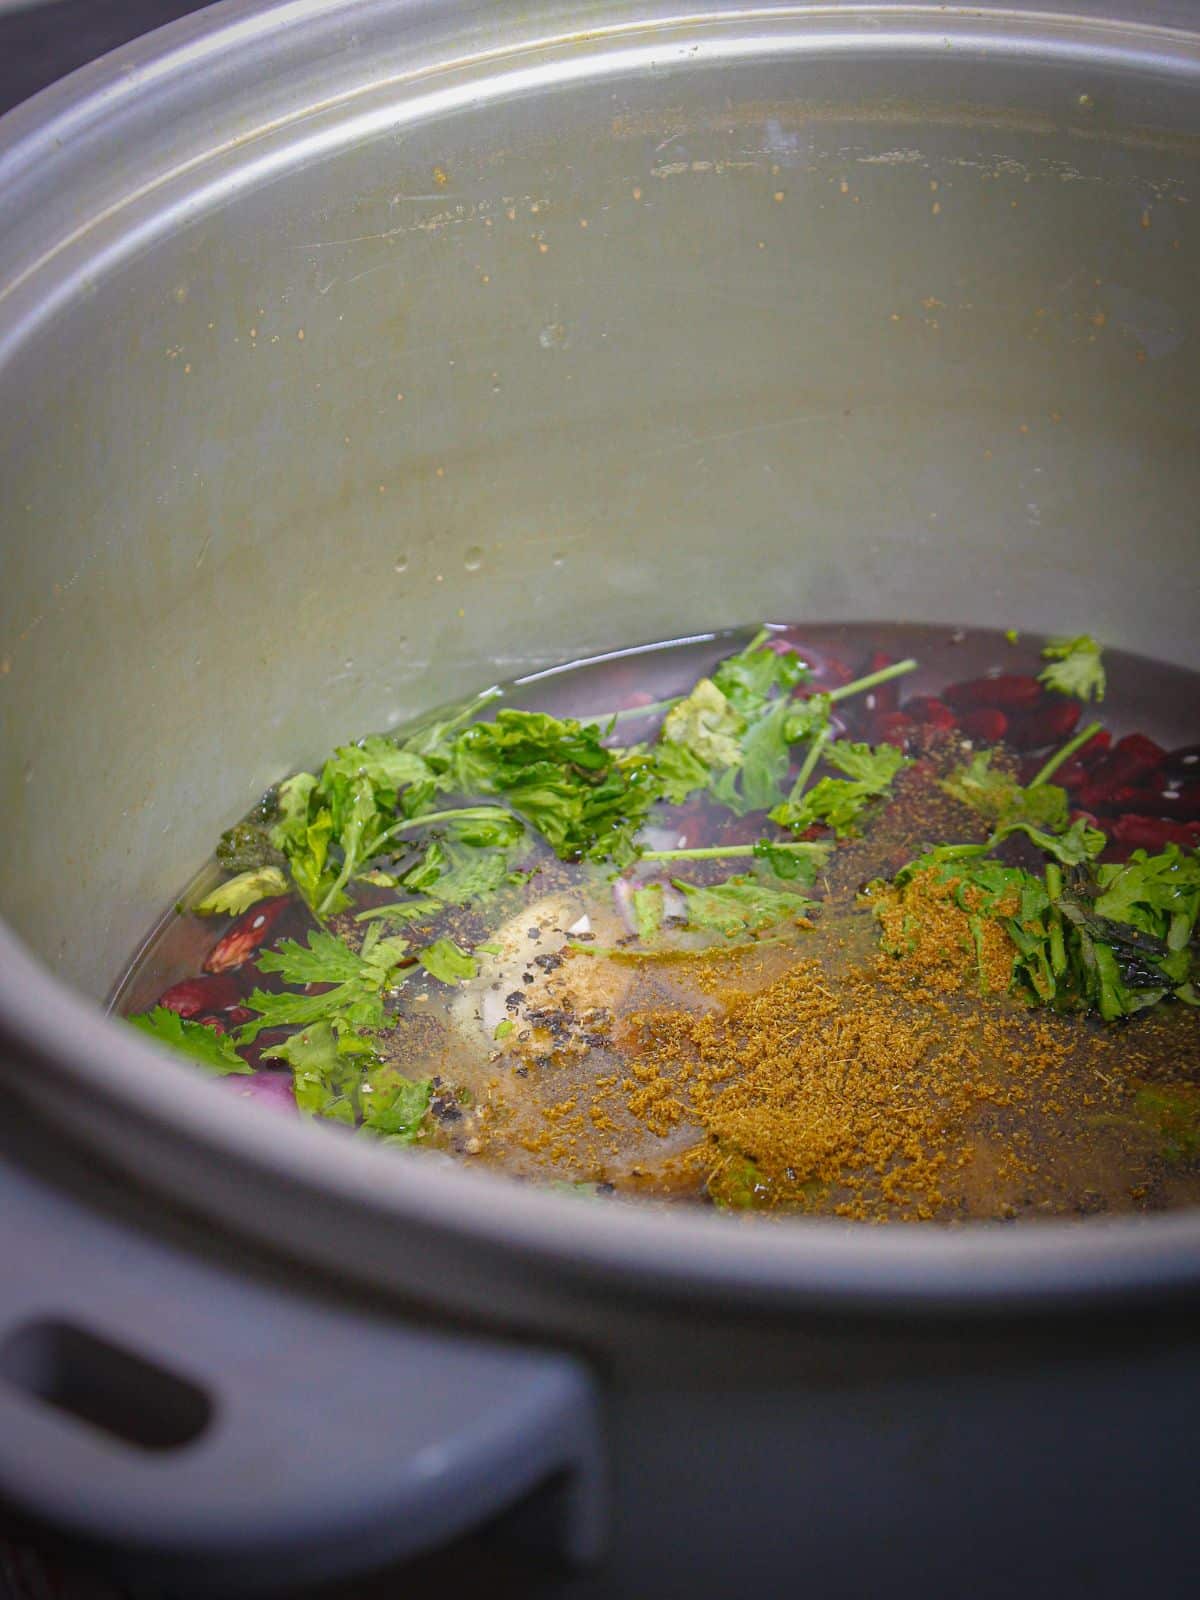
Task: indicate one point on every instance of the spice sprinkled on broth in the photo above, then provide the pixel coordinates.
(878, 922)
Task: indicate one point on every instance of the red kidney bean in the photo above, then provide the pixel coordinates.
(1130, 758)
(986, 724)
(1152, 833)
(1070, 776)
(1180, 802)
(1091, 753)
(1011, 691)
(929, 709)
(1095, 796)
(884, 697)
(1183, 763)
(195, 996)
(1050, 724)
(251, 930)
(893, 727)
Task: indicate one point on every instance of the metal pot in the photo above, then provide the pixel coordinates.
(356, 352)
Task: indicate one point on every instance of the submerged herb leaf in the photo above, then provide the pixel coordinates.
(235, 895)
(679, 772)
(750, 677)
(456, 874)
(339, 1076)
(1159, 895)
(706, 725)
(756, 783)
(741, 905)
(203, 1045)
(354, 998)
(445, 961)
(794, 862)
(1081, 842)
(998, 797)
(838, 803)
(875, 767)
(1075, 667)
(557, 774)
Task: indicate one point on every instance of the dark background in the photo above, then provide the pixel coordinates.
(41, 40)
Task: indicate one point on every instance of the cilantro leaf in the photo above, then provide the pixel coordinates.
(739, 724)
(325, 959)
(876, 767)
(756, 782)
(445, 961)
(238, 894)
(799, 862)
(338, 1075)
(809, 718)
(706, 724)
(1117, 940)
(555, 772)
(996, 795)
(329, 828)
(356, 982)
(741, 905)
(456, 874)
(1075, 667)
(401, 912)
(394, 1106)
(1159, 895)
(205, 1046)
(754, 674)
(679, 772)
(1078, 844)
(838, 803)
(385, 766)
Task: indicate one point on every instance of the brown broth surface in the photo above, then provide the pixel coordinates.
(803, 1072)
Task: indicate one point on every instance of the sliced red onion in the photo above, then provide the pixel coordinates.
(268, 1088)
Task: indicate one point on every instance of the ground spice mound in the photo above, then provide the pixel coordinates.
(924, 925)
(857, 1096)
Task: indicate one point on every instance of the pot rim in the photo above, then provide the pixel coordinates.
(321, 1196)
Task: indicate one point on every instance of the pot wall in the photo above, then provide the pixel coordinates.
(617, 339)
(943, 376)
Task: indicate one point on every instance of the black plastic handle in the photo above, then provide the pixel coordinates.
(188, 1425)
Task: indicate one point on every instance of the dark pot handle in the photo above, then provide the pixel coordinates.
(180, 1423)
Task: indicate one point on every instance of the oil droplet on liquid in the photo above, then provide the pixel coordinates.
(473, 559)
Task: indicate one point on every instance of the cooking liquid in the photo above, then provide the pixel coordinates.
(783, 1074)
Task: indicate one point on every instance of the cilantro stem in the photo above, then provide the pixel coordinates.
(1065, 754)
(860, 685)
(874, 679)
(716, 852)
(456, 813)
(605, 718)
(809, 764)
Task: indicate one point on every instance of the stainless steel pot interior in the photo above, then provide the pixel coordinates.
(356, 354)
